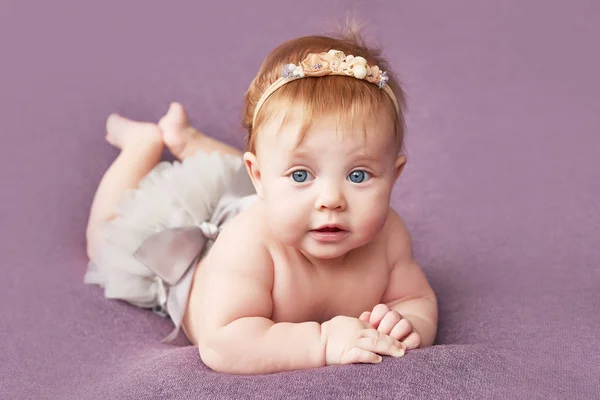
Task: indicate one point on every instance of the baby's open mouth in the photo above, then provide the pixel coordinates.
(327, 229)
(329, 234)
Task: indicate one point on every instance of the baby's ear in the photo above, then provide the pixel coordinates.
(399, 165)
(253, 169)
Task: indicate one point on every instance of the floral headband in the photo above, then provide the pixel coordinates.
(334, 62)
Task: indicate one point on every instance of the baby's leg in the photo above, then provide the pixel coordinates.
(141, 148)
(183, 140)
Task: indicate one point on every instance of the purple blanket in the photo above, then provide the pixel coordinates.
(501, 191)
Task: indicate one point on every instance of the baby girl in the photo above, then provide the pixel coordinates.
(287, 256)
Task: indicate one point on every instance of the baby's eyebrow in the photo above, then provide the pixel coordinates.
(371, 163)
(366, 158)
(301, 153)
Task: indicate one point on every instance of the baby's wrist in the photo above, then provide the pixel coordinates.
(324, 339)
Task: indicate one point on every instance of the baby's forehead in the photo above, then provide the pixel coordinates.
(298, 135)
(349, 142)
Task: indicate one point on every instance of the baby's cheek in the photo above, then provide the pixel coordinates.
(373, 218)
(286, 222)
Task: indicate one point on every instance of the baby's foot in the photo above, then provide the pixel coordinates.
(122, 132)
(177, 131)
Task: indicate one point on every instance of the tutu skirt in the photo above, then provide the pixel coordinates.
(151, 248)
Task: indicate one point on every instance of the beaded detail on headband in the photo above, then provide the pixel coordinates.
(333, 62)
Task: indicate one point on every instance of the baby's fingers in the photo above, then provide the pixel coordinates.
(412, 341)
(379, 311)
(365, 317)
(402, 329)
(380, 343)
(389, 322)
(358, 355)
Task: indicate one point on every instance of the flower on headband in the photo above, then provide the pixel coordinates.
(356, 66)
(384, 78)
(345, 65)
(316, 64)
(288, 70)
(335, 59)
(292, 71)
(373, 74)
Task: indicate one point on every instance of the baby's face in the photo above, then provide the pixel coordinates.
(331, 193)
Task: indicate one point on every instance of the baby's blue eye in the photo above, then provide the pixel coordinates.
(300, 175)
(359, 176)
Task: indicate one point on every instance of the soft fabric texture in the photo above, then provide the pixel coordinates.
(150, 250)
(501, 190)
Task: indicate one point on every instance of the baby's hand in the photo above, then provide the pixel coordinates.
(349, 340)
(390, 322)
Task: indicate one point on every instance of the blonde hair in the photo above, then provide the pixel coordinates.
(352, 100)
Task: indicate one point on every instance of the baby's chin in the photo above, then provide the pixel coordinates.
(315, 251)
(327, 252)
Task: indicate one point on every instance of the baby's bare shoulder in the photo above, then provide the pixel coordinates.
(247, 224)
(397, 237)
(242, 243)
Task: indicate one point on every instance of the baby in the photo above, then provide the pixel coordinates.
(287, 256)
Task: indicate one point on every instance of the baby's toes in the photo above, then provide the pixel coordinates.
(402, 329)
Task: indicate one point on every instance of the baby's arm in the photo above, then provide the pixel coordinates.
(234, 307)
(235, 304)
(409, 292)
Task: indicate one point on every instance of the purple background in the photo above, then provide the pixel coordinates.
(501, 191)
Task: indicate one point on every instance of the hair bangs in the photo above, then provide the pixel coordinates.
(357, 105)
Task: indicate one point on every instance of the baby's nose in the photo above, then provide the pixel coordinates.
(330, 198)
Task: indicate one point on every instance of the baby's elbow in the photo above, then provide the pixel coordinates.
(234, 348)
(218, 358)
(213, 359)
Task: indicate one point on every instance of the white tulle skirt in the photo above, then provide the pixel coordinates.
(172, 195)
